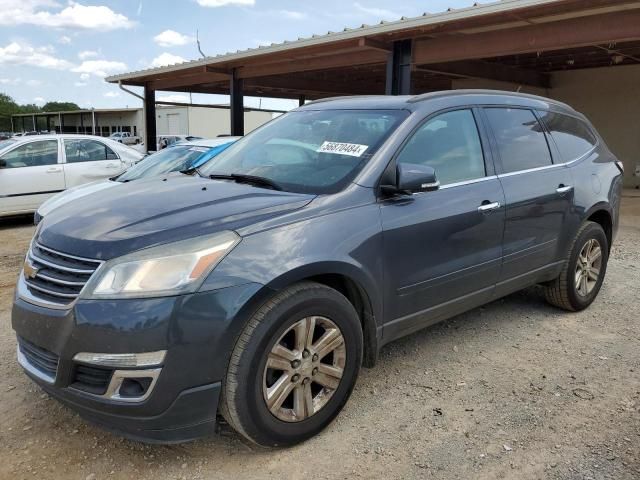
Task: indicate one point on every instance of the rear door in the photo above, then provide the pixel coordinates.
(31, 173)
(443, 249)
(88, 160)
(538, 192)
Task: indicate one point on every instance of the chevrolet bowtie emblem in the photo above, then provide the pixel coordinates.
(30, 270)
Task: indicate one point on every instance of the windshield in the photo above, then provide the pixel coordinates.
(177, 158)
(309, 151)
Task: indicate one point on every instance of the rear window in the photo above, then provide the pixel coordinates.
(521, 140)
(572, 136)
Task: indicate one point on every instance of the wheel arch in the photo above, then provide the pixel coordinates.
(602, 215)
(351, 282)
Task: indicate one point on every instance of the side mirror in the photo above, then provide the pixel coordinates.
(3, 163)
(411, 178)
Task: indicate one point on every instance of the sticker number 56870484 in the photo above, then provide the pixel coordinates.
(351, 149)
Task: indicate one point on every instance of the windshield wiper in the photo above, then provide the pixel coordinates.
(252, 179)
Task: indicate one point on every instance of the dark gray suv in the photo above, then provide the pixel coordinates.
(256, 289)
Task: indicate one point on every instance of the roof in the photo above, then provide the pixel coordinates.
(411, 101)
(69, 112)
(520, 42)
(384, 27)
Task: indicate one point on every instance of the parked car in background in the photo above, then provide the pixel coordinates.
(33, 168)
(179, 158)
(257, 288)
(125, 137)
(165, 141)
(5, 135)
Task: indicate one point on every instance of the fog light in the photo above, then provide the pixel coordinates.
(122, 360)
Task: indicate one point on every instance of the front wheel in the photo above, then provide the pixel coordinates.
(293, 367)
(583, 272)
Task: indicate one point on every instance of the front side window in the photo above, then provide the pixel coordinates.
(521, 141)
(32, 154)
(450, 144)
(87, 151)
(170, 160)
(310, 151)
(572, 136)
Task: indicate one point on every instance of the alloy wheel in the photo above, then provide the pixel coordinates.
(588, 267)
(304, 369)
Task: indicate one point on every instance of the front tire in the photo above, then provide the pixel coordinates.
(583, 272)
(293, 367)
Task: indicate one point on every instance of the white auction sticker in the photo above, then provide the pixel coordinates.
(351, 149)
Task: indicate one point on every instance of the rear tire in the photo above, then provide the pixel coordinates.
(583, 272)
(293, 367)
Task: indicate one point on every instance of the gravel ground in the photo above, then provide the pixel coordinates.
(515, 389)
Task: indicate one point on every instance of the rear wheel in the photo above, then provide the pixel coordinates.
(294, 366)
(584, 270)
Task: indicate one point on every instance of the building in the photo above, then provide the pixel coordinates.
(583, 52)
(206, 121)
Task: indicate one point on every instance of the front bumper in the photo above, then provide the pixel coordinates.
(197, 331)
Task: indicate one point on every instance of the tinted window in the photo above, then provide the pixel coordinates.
(521, 140)
(170, 160)
(87, 151)
(572, 136)
(33, 154)
(311, 151)
(449, 143)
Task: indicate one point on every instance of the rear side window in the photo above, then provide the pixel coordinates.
(450, 144)
(521, 141)
(572, 136)
(87, 151)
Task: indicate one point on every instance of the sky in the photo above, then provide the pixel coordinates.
(61, 50)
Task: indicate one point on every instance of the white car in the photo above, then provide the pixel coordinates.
(179, 157)
(125, 137)
(34, 168)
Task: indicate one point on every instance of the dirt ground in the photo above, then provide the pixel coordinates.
(516, 389)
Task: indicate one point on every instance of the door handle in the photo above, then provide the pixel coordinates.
(489, 207)
(111, 165)
(562, 189)
(54, 170)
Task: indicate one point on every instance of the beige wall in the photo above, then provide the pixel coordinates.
(609, 97)
(211, 122)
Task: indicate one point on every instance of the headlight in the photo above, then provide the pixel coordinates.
(170, 269)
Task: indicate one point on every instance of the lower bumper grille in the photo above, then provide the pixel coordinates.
(92, 379)
(38, 358)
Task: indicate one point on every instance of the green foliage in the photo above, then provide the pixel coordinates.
(9, 107)
(59, 107)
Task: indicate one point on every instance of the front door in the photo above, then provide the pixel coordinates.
(443, 249)
(539, 196)
(29, 174)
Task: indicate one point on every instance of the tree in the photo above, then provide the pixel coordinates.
(59, 107)
(7, 108)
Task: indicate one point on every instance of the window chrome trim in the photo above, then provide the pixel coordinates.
(531, 170)
(468, 182)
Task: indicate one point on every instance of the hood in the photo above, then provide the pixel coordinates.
(116, 221)
(73, 193)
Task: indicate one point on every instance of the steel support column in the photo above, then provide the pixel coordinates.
(398, 80)
(150, 118)
(236, 104)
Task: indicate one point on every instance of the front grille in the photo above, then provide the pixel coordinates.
(56, 277)
(92, 379)
(39, 358)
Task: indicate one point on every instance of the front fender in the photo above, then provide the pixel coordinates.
(346, 242)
